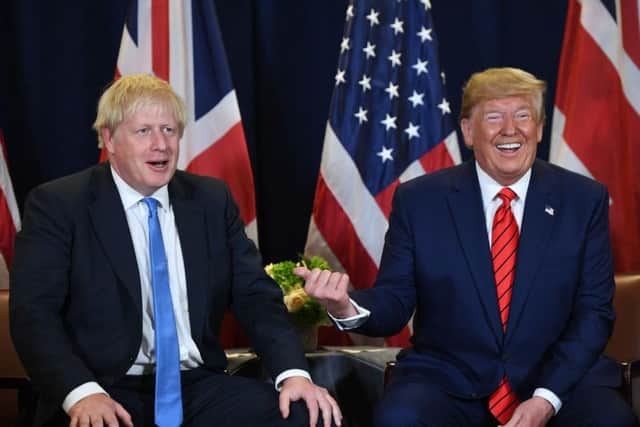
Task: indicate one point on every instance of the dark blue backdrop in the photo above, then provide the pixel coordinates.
(56, 57)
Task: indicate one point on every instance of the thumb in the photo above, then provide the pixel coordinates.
(284, 404)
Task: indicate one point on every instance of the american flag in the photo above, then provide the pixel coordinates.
(9, 214)
(596, 120)
(389, 121)
(180, 41)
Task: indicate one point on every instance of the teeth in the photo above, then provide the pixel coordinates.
(512, 146)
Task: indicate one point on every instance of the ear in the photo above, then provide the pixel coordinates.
(539, 131)
(107, 138)
(467, 134)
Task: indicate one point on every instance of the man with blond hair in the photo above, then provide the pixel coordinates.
(507, 262)
(122, 275)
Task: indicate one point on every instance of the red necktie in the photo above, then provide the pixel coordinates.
(504, 244)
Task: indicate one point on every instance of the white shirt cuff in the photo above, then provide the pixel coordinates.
(353, 321)
(80, 392)
(291, 373)
(550, 397)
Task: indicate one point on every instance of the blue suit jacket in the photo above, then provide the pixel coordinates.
(75, 288)
(437, 261)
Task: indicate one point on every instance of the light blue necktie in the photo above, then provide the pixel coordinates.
(168, 401)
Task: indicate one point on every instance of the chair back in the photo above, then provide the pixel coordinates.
(624, 344)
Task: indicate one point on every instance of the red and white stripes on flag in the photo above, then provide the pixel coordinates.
(9, 214)
(180, 41)
(596, 120)
(389, 122)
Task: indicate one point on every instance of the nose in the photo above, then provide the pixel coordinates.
(158, 141)
(508, 125)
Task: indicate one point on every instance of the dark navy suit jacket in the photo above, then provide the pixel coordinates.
(437, 260)
(75, 288)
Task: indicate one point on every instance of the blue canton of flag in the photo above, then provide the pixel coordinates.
(389, 107)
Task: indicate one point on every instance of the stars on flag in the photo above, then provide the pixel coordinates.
(424, 34)
(370, 50)
(412, 131)
(420, 66)
(395, 58)
(397, 26)
(392, 90)
(344, 46)
(365, 82)
(385, 154)
(389, 122)
(444, 107)
(372, 17)
(349, 12)
(416, 99)
(361, 115)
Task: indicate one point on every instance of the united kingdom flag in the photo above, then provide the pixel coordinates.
(180, 41)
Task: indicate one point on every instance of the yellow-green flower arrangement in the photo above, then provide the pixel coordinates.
(303, 309)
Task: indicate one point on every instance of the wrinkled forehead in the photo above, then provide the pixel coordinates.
(506, 104)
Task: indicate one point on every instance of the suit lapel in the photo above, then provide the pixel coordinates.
(191, 225)
(537, 224)
(111, 227)
(465, 204)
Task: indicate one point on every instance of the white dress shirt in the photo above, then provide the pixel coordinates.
(137, 218)
(489, 189)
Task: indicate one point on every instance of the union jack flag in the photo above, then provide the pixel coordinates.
(9, 215)
(596, 120)
(180, 41)
(389, 121)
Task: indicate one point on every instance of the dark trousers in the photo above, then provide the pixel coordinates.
(413, 402)
(208, 399)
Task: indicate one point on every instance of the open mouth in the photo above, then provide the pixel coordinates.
(161, 164)
(509, 148)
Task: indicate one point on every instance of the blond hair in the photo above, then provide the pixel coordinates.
(495, 83)
(125, 96)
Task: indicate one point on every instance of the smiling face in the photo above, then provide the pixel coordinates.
(144, 148)
(504, 134)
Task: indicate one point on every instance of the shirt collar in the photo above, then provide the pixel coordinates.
(130, 197)
(489, 187)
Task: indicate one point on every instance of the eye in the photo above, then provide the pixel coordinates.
(493, 117)
(142, 131)
(523, 116)
(168, 130)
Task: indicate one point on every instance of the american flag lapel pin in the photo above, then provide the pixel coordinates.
(549, 210)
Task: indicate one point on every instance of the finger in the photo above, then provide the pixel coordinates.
(123, 415)
(325, 276)
(325, 409)
(110, 419)
(74, 421)
(312, 406)
(335, 409)
(96, 421)
(311, 281)
(343, 284)
(301, 272)
(284, 404)
(84, 421)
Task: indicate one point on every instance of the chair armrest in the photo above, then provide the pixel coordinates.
(631, 384)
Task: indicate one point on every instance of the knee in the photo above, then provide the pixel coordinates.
(623, 418)
(395, 415)
(298, 414)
